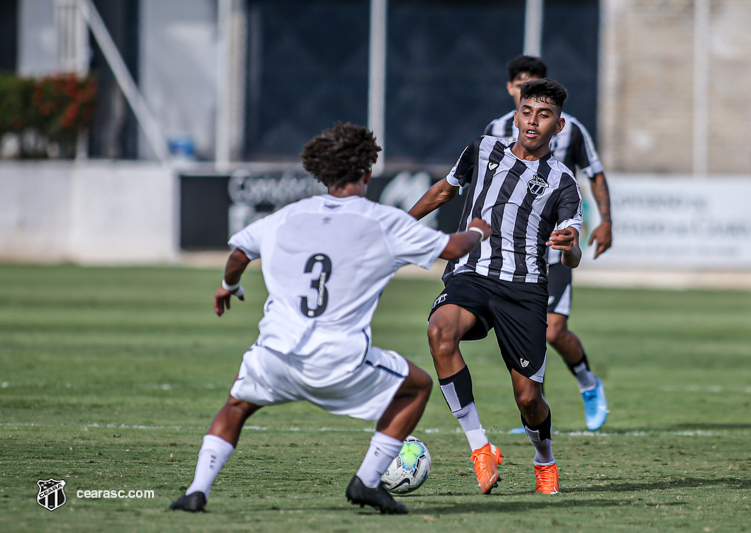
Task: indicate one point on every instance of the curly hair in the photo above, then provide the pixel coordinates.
(546, 90)
(534, 66)
(340, 154)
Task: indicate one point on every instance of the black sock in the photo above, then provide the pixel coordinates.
(543, 428)
(457, 389)
(582, 360)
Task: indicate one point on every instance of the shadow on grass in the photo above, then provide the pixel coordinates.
(674, 483)
(486, 505)
(504, 506)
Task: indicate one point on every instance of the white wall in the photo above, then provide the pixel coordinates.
(677, 222)
(92, 213)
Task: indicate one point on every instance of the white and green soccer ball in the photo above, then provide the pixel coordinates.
(409, 470)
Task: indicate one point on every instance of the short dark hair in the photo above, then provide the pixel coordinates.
(534, 66)
(340, 154)
(546, 90)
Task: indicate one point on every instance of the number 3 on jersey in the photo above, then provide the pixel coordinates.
(319, 284)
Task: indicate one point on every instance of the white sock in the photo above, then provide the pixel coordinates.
(469, 419)
(543, 448)
(584, 377)
(467, 415)
(382, 451)
(211, 458)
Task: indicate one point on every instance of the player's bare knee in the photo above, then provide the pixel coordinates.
(241, 407)
(442, 340)
(425, 382)
(527, 400)
(556, 331)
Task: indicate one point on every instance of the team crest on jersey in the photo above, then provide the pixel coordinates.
(492, 165)
(537, 185)
(51, 494)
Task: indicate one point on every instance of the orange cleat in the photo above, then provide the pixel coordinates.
(486, 460)
(546, 479)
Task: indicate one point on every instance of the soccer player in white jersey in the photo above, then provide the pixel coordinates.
(326, 260)
(573, 147)
(531, 202)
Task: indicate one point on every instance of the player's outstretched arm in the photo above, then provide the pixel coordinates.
(237, 262)
(435, 197)
(567, 241)
(602, 233)
(463, 242)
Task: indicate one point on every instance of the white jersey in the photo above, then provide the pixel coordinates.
(325, 262)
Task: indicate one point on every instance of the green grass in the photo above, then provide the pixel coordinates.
(109, 378)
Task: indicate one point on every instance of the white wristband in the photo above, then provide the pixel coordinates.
(227, 287)
(478, 230)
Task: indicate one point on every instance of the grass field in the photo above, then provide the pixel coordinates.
(109, 378)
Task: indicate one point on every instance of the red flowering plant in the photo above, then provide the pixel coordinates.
(47, 114)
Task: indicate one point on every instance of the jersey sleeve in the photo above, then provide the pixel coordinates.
(569, 213)
(461, 174)
(250, 238)
(585, 153)
(411, 242)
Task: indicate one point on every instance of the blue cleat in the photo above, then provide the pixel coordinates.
(595, 406)
(518, 431)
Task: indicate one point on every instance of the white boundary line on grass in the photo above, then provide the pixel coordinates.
(430, 431)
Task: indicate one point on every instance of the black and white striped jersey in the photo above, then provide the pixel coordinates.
(573, 146)
(523, 201)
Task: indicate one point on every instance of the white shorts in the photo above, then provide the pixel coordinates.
(267, 377)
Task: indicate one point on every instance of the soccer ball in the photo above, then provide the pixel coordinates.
(410, 469)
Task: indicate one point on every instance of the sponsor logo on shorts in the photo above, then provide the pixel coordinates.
(551, 299)
(523, 362)
(440, 300)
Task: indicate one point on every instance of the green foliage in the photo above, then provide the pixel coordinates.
(46, 114)
(109, 378)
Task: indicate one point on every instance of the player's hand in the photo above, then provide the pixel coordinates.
(604, 237)
(222, 298)
(481, 224)
(562, 239)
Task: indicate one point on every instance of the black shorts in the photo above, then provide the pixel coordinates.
(516, 311)
(559, 289)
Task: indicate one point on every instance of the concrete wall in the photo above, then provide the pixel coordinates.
(646, 104)
(92, 213)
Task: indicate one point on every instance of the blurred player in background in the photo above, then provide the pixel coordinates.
(531, 202)
(326, 260)
(573, 147)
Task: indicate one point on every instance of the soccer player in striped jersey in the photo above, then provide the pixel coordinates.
(573, 147)
(531, 202)
(326, 260)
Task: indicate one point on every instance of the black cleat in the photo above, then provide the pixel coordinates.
(193, 503)
(378, 498)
